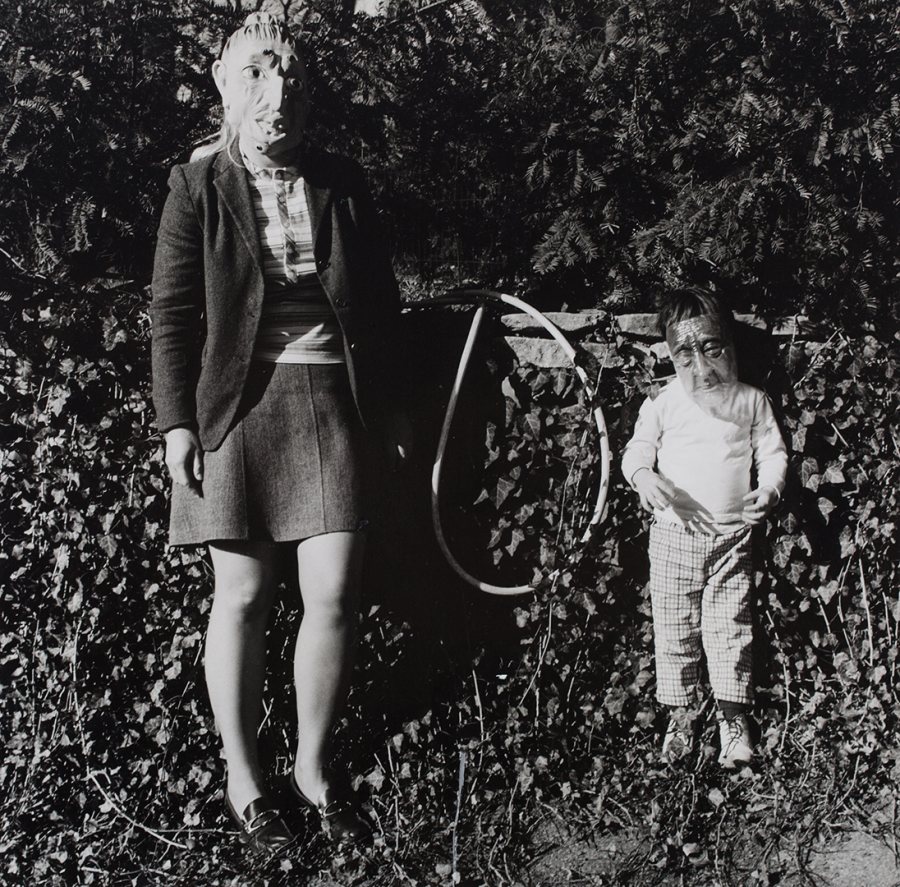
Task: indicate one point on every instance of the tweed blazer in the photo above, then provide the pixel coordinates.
(207, 289)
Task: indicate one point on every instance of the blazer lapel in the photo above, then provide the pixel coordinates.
(318, 200)
(231, 183)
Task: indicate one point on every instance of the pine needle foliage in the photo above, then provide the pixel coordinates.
(745, 146)
(100, 98)
(601, 153)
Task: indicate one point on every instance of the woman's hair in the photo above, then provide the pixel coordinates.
(258, 26)
(686, 303)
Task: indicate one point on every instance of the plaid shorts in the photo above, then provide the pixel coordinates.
(700, 588)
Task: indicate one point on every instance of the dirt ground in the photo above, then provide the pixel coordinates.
(850, 859)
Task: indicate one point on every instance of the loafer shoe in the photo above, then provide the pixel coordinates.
(262, 827)
(341, 815)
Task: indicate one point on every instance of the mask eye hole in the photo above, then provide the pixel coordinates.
(251, 73)
(295, 84)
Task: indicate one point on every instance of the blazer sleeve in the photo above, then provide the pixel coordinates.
(368, 222)
(176, 308)
(384, 290)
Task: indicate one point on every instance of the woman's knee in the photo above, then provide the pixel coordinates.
(329, 569)
(244, 579)
(245, 599)
(332, 601)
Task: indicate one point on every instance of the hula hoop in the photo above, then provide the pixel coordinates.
(480, 297)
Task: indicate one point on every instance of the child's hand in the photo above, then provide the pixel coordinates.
(758, 504)
(656, 492)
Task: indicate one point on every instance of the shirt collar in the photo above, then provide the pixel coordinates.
(290, 173)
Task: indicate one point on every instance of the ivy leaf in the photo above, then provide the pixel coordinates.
(834, 475)
(516, 538)
(716, 797)
(809, 474)
(826, 507)
(375, 778)
(501, 492)
(827, 591)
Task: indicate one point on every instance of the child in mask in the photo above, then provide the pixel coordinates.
(690, 461)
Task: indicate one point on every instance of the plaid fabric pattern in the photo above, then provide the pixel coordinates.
(284, 224)
(700, 593)
(297, 324)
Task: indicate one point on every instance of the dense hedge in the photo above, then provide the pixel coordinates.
(599, 153)
(538, 704)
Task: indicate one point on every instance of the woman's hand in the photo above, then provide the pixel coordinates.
(184, 457)
(656, 492)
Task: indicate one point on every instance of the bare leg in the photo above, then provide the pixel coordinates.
(329, 569)
(236, 658)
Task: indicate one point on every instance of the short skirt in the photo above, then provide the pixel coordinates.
(291, 466)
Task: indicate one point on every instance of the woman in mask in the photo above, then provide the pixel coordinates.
(274, 315)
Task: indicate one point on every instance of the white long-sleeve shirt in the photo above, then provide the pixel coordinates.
(708, 458)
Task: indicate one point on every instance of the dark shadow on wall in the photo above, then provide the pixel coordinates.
(424, 630)
(453, 627)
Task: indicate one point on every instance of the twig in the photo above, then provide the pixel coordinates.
(894, 846)
(628, 817)
(716, 847)
(145, 828)
(787, 709)
(481, 730)
(418, 12)
(840, 606)
(574, 672)
(543, 652)
(459, 797)
(267, 710)
(825, 618)
(840, 803)
(816, 357)
(809, 767)
(22, 268)
(397, 828)
(512, 795)
(887, 620)
(865, 597)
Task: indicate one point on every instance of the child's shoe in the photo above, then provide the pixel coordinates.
(735, 740)
(677, 743)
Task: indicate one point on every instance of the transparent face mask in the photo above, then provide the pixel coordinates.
(704, 357)
(264, 91)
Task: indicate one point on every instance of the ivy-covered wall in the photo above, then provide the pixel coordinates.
(545, 699)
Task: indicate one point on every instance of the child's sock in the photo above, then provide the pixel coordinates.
(732, 709)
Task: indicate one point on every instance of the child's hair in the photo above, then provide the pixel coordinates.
(682, 304)
(257, 26)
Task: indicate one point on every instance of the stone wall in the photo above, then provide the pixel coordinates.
(594, 332)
